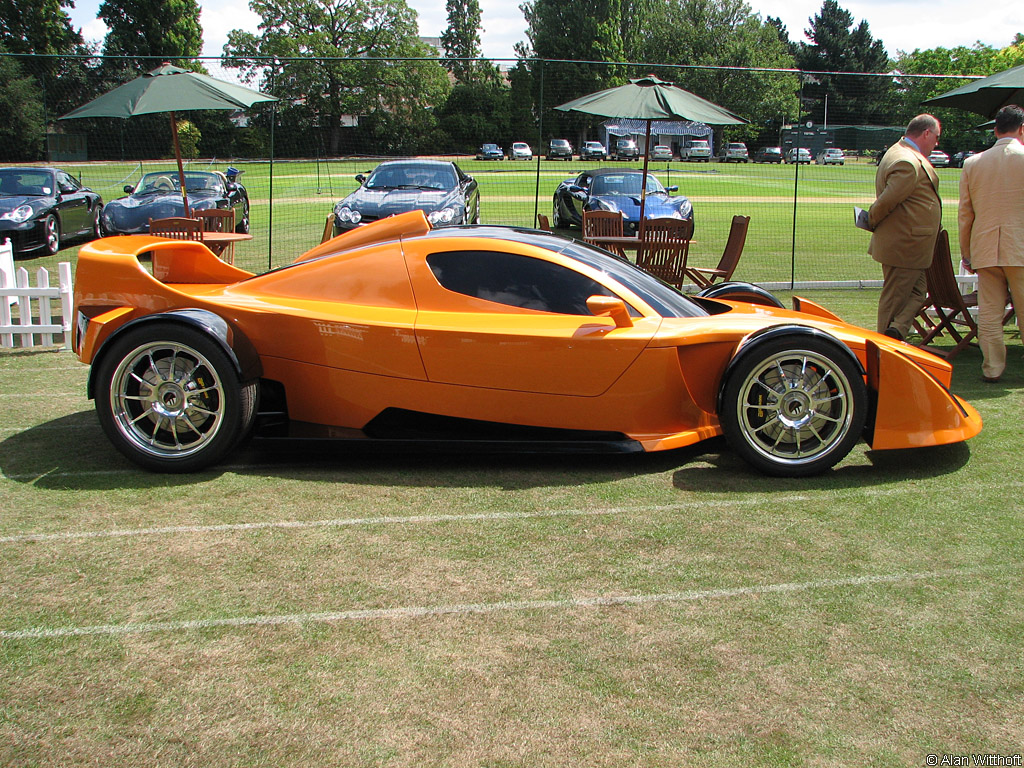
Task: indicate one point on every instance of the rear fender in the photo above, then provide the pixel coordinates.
(913, 409)
(235, 345)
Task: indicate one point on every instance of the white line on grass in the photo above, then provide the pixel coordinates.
(417, 612)
(341, 522)
(171, 530)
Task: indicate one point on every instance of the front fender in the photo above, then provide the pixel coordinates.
(913, 409)
(235, 345)
(757, 338)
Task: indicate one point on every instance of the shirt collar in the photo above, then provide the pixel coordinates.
(914, 145)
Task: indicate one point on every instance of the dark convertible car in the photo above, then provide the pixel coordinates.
(612, 189)
(158, 195)
(39, 207)
(437, 187)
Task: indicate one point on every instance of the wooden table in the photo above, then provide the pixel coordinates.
(218, 242)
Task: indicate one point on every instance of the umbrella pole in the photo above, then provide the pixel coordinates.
(643, 189)
(181, 170)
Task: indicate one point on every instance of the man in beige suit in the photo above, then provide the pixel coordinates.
(904, 221)
(992, 233)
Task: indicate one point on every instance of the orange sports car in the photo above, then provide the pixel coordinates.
(482, 337)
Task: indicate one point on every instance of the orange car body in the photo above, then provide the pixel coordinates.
(362, 324)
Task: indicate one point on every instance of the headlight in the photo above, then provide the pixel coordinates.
(348, 215)
(443, 216)
(19, 214)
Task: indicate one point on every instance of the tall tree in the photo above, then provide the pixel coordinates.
(461, 39)
(836, 46)
(148, 31)
(327, 60)
(22, 130)
(580, 40)
(718, 38)
(42, 27)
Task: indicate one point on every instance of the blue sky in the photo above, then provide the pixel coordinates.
(899, 24)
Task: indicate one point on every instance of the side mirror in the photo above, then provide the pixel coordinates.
(128, 188)
(673, 188)
(360, 178)
(610, 306)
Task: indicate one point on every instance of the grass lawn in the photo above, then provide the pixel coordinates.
(338, 609)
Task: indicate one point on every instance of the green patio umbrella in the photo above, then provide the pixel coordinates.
(987, 95)
(648, 98)
(170, 89)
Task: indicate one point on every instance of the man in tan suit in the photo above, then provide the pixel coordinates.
(904, 221)
(992, 233)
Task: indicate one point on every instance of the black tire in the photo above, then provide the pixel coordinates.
(794, 406)
(738, 291)
(476, 213)
(51, 234)
(169, 398)
(96, 232)
(556, 219)
(242, 226)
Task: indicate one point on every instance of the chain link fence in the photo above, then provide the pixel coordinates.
(338, 118)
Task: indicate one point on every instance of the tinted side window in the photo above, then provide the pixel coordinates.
(518, 281)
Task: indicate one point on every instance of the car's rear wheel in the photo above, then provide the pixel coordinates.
(169, 399)
(51, 234)
(242, 227)
(794, 406)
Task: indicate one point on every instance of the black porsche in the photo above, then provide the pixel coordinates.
(40, 207)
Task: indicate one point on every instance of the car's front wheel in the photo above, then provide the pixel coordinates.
(51, 234)
(96, 231)
(794, 406)
(556, 217)
(169, 399)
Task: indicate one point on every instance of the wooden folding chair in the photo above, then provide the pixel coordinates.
(703, 277)
(607, 223)
(328, 229)
(665, 247)
(177, 228)
(542, 222)
(945, 310)
(219, 220)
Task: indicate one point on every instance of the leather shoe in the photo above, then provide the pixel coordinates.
(893, 333)
(990, 379)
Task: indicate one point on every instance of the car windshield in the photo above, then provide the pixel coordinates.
(625, 184)
(559, 143)
(490, 147)
(21, 182)
(413, 176)
(155, 183)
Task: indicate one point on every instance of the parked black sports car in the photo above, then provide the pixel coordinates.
(39, 207)
(612, 189)
(437, 187)
(158, 196)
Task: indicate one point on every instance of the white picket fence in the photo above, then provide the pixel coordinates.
(35, 324)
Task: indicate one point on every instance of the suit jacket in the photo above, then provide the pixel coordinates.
(907, 213)
(991, 216)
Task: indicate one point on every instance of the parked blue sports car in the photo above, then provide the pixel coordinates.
(612, 189)
(39, 207)
(158, 196)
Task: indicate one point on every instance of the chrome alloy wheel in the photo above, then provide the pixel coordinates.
(167, 399)
(795, 407)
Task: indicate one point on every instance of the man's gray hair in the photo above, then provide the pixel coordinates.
(922, 123)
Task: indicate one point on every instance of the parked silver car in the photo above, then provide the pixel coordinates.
(831, 156)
